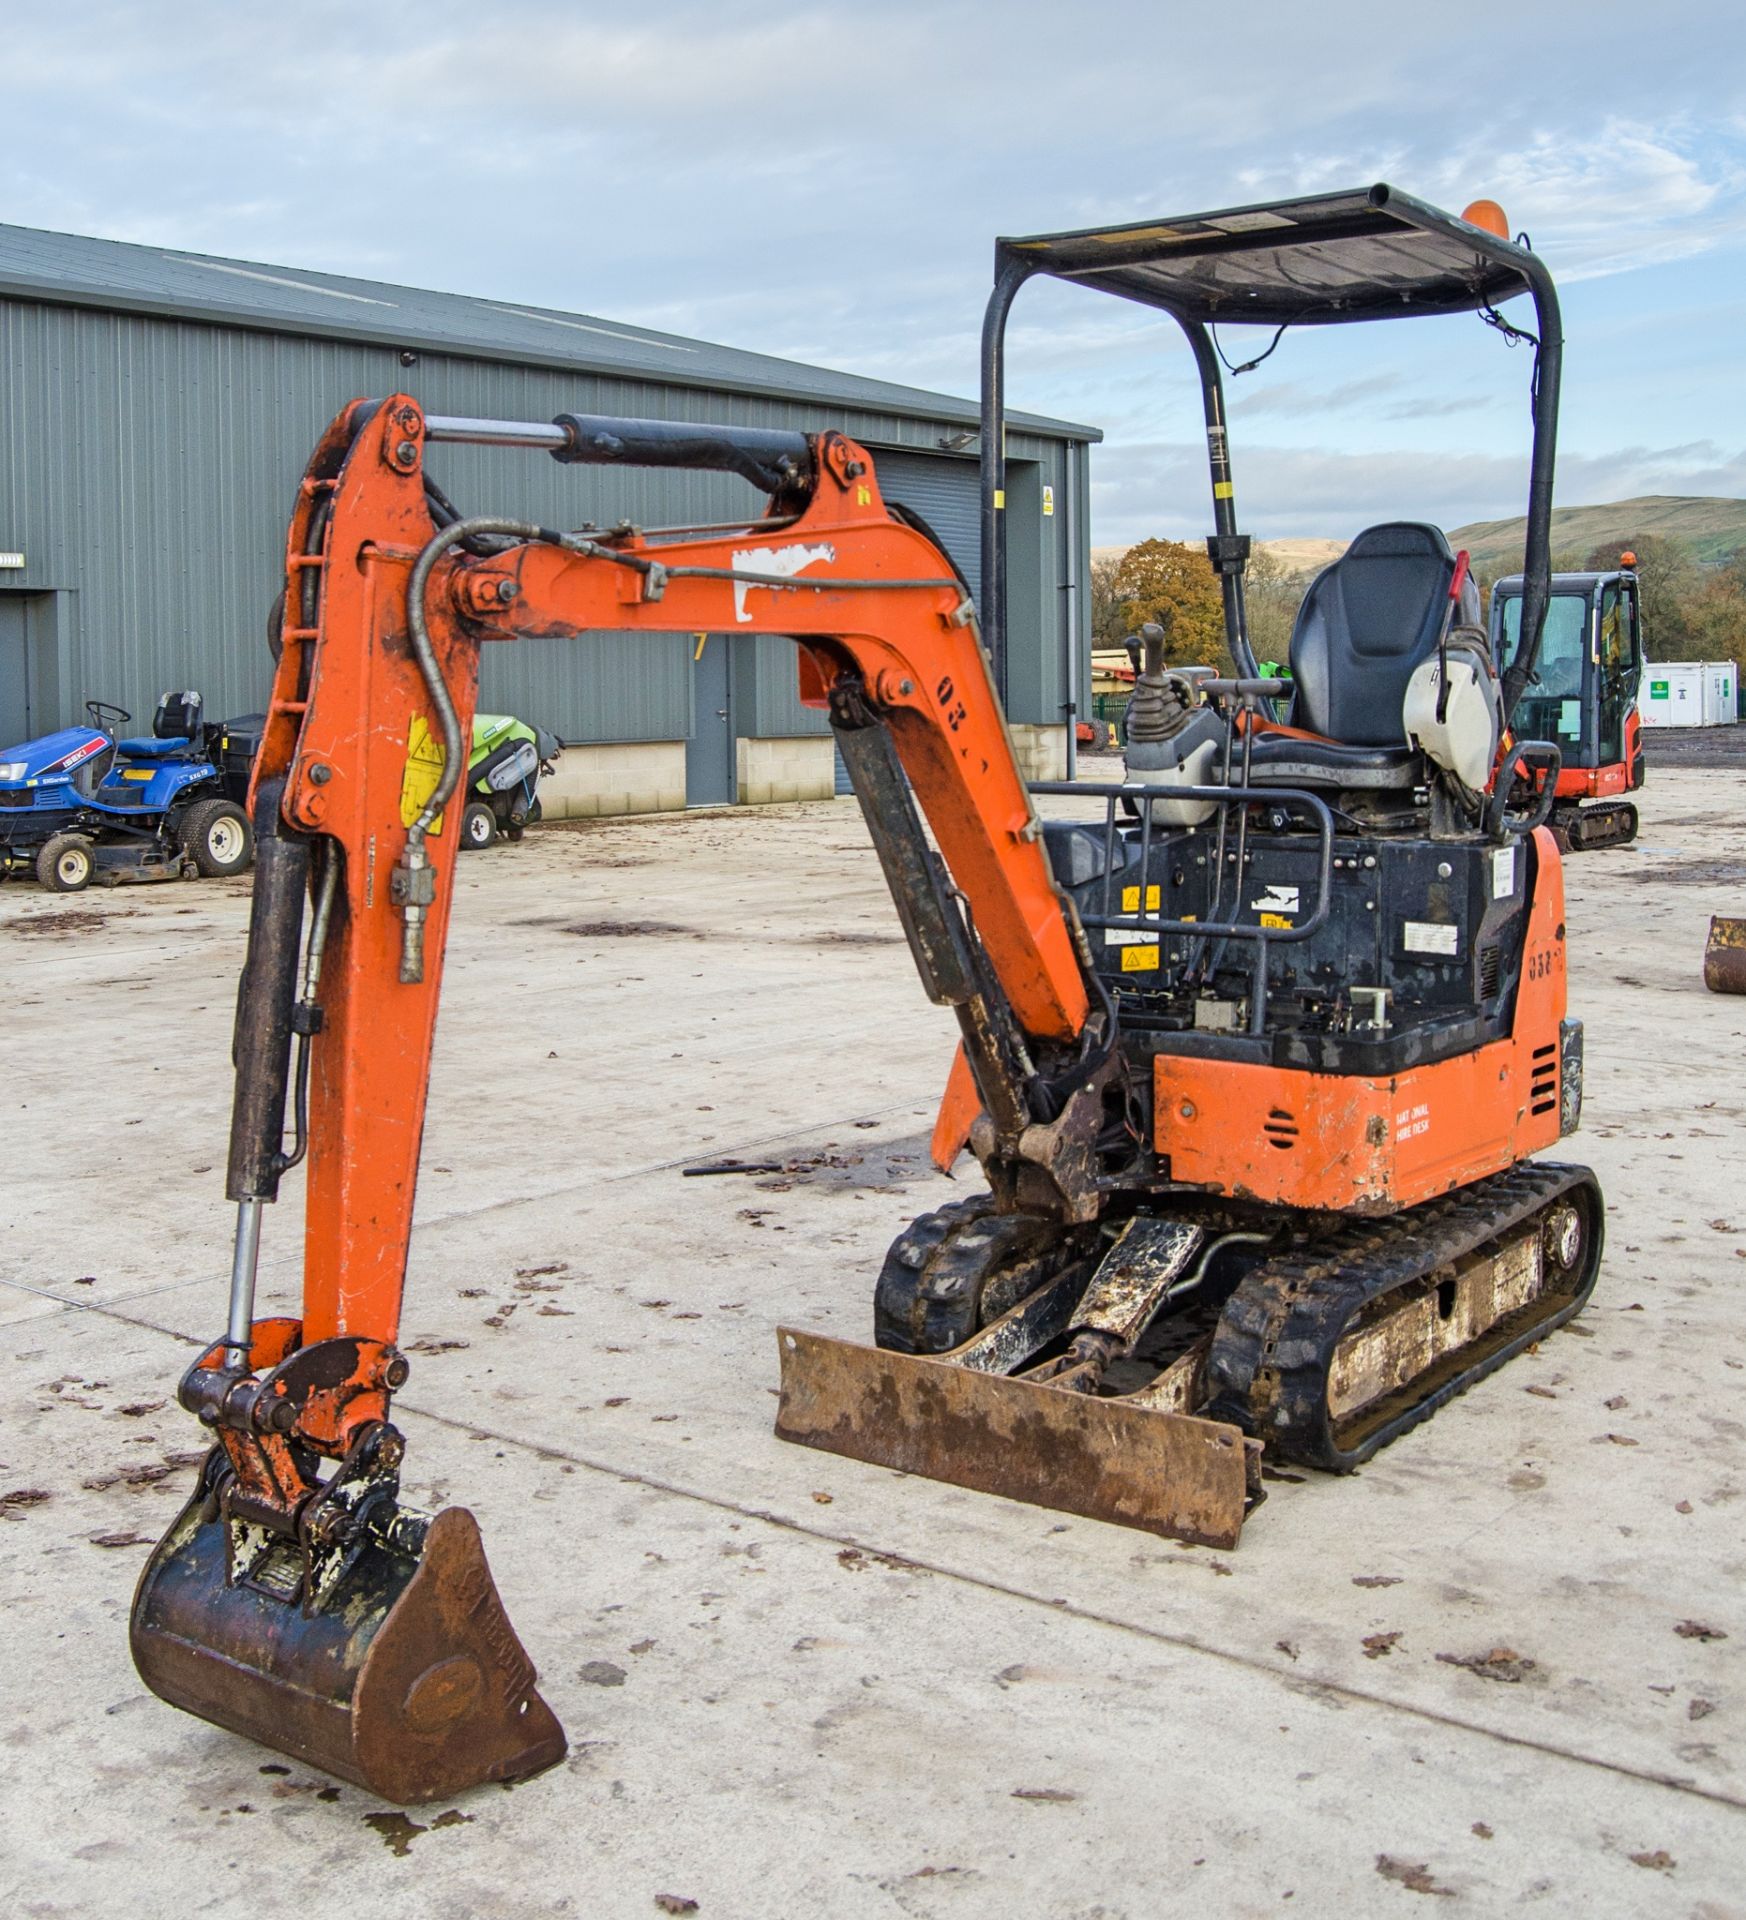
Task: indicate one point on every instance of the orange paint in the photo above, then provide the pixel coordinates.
(348, 691)
(1349, 1143)
(959, 1106)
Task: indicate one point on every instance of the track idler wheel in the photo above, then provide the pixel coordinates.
(407, 1678)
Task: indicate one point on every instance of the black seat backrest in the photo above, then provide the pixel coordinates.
(1365, 624)
(178, 717)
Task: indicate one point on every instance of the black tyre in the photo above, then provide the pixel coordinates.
(66, 863)
(217, 837)
(478, 826)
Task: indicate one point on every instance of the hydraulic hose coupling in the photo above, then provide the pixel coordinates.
(413, 889)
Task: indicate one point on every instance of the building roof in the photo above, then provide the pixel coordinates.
(170, 283)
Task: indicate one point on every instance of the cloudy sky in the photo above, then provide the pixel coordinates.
(824, 181)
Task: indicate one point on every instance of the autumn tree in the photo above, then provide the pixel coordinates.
(1110, 625)
(1272, 595)
(1165, 577)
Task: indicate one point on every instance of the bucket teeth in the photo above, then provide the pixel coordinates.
(409, 1681)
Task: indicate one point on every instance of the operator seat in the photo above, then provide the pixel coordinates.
(175, 729)
(1365, 624)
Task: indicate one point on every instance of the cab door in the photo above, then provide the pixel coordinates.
(1617, 665)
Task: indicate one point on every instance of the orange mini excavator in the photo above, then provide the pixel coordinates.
(1255, 1044)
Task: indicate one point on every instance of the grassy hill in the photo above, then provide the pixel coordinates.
(1711, 529)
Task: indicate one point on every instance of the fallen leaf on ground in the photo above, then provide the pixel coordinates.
(1615, 1403)
(1696, 1630)
(1620, 1439)
(139, 1408)
(1480, 1830)
(1661, 1861)
(21, 1497)
(140, 1539)
(641, 1646)
(1700, 1709)
(1055, 1794)
(1416, 1879)
(1285, 1647)
(675, 1903)
(823, 1499)
(602, 1673)
(1378, 1644)
(1682, 1506)
(1545, 1393)
(1376, 1579)
(1501, 1663)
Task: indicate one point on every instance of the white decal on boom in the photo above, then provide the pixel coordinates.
(785, 560)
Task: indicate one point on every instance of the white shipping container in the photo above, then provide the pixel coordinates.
(1672, 693)
(1721, 693)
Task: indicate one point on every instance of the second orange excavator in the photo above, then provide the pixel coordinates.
(1256, 1044)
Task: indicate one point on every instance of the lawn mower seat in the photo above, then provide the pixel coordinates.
(175, 729)
(1365, 624)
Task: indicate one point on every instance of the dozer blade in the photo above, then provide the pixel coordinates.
(409, 1681)
(1168, 1473)
(1725, 956)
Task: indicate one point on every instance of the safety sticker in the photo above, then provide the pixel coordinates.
(1276, 920)
(1131, 899)
(1503, 873)
(1275, 900)
(1126, 937)
(424, 768)
(1048, 503)
(1140, 960)
(1430, 936)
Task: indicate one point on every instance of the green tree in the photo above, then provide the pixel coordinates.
(1715, 617)
(1668, 578)
(1165, 577)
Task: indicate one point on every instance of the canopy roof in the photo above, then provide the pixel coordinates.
(1371, 254)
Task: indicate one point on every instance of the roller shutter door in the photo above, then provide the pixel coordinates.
(947, 494)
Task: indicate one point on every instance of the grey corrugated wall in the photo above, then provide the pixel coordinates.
(148, 466)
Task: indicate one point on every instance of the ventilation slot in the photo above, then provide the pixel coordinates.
(1543, 1080)
(1280, 1128)
(1490, 968)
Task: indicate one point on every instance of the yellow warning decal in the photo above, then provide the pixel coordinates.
(1139, 959)
(863, 496)
(1274, 920)
(999, 498)
(424, 768)
(1131, 899)
(1223, 490)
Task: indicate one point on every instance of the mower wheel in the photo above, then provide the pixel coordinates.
(478, 826)
(66, 863)
(216, 834)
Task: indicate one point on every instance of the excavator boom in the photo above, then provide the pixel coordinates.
(297, 1599)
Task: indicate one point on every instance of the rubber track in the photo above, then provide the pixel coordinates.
(1274, 1344)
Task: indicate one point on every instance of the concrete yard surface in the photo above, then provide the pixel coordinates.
(1499, 1669)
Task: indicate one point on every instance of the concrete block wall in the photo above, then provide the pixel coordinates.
(1041, 751)
(645, 776)
(802, 768)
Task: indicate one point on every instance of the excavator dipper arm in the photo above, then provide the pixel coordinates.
(296, 1527)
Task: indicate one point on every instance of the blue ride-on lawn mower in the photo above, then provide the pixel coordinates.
(82, 804)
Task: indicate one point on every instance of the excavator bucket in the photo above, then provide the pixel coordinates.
(407, 1679)
(1725, 956)
(948, 1418)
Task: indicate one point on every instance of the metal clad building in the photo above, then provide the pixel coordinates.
(157, 409)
